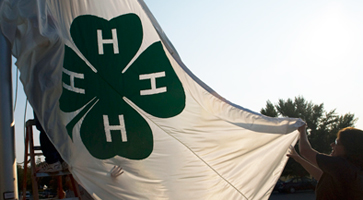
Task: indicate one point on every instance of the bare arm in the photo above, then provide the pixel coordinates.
(305, 148)
(313, 170)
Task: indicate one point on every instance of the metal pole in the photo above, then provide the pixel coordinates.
(8, 170)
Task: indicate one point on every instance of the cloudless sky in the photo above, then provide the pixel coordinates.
(253, 51)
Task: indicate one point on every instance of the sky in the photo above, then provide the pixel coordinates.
(253, 51)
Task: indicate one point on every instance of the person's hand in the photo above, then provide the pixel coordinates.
(116, 171)
(293, 154)
(302, 129)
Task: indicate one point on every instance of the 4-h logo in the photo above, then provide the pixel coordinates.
(101, 90)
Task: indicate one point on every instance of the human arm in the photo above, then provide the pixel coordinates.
(305, 148)
(313, 170)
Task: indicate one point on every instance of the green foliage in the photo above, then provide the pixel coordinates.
(269, 110)
(322, 125)
(20, 171)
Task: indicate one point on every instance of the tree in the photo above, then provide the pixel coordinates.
(322, 126)
(20, 171)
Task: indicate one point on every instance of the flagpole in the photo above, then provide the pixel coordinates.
(8, 170)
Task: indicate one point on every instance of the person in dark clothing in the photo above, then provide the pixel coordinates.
(53, 160)
(340, 174)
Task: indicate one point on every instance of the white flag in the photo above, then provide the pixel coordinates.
(110, 90)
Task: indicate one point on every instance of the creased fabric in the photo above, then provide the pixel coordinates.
(110, 90)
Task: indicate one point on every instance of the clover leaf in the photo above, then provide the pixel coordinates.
(96, 91)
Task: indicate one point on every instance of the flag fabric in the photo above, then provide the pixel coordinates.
(110, 90)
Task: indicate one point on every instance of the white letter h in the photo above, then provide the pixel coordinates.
(102, 41)
(109, 128)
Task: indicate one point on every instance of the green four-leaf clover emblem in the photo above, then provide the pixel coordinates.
(99, 91)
